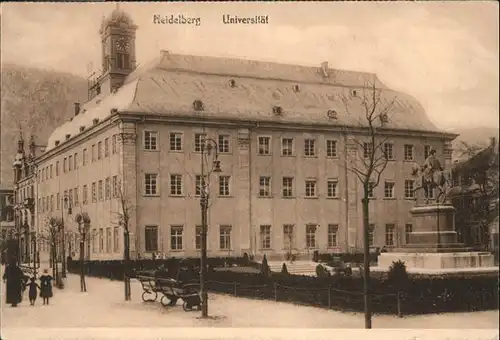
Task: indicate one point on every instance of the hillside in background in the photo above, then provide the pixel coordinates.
(37, 101)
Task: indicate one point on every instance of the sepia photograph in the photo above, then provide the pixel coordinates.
(246, 170)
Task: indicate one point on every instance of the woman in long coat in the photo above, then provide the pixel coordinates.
(14, 277)
(45, 287)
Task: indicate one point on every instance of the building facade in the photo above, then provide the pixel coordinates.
(286, 137)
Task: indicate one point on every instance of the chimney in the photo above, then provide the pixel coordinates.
(77, 109)
(324, 68)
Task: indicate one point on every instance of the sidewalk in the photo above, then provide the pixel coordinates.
(103, 305)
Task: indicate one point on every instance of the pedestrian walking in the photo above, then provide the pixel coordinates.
(33, 292)
(13, 277)
(46, 286)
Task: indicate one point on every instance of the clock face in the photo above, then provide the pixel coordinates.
(122, 44)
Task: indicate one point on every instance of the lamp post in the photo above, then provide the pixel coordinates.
(206, 148)
(34, 252)
(65, 199)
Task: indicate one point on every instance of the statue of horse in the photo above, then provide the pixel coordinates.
(438, 179)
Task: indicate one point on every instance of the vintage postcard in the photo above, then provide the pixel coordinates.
(249, 170)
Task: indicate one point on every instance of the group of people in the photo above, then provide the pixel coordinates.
(17, 282)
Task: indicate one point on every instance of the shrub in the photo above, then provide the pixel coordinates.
(265, 267)
(284, 269)
(321, 271)
(397, 276)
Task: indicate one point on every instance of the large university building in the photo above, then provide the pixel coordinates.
(285, 136)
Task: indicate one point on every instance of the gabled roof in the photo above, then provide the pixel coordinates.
(169, 85)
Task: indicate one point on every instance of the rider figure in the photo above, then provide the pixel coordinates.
(431, 165)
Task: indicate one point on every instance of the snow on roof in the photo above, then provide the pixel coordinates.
(249, 90)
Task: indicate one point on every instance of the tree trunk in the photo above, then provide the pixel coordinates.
(366, 249)
(126, 278)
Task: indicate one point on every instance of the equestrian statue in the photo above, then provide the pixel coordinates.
(433, 176)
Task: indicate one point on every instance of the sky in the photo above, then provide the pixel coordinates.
(445, 54)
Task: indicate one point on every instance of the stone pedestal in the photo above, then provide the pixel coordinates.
(433, 245)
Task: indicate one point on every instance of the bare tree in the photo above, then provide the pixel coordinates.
(84, 235)
(125, 209)
(370, 165)
(51, 234)
(482, 198)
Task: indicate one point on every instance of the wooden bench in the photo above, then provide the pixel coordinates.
(172, 290)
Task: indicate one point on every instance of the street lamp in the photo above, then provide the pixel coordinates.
(206, 148)
(35, 252)
(65, 199)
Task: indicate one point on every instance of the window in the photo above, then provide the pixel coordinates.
(65, 198)
(108, 188)
(84, 157)
(58, 203)
(310, 188)
(197, 241)
(101, 240)
(175, 141)
(427, 151)
(65, 166)
(52, 202)
(116, 239)
(367, 149)
(57, 168)
(75, 197)
(85, 194)
(176, 185)
(288, 236)
(409, 187)
(389, 151)
(265, 237)
(408, 230)
(94, 192)
(101, 193)
(108, 240)
(151, 238)
(264, 145)
(311, 236)
(115, 186)
(287, 147)
(224, 185)
(287, 186)
(389, 189)
(408, 150)
(331, 148)
(94, 241)
(225, 237)
(75, 161)
(224, 144)
(429, 194)
(371, 188)
(106, 147)
(371, 234)
(197, 189)
(122, 60)
(113, 144)
(150, 184)
(309, 147)
(199, 139)
(70, 163)
(93, 153)
(333, 230)
(264, 186)
(176, 237)
(150, 140)
(389, 234)
(51, 171)
(332, 188)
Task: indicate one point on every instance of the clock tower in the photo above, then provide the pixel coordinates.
(118, 50)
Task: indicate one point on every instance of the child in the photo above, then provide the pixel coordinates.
(46, 286)
(32, 293)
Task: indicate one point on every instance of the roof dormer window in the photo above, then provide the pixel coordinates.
(68, 136)
(82, 128)
(95, 121)
(232, 83)
(354, 93)
(277, 110)
(384, 118)
(56, 143)
(296, 88)
(332, 114)
(198, 105)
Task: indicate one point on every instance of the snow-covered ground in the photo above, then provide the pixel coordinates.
(104, 306)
